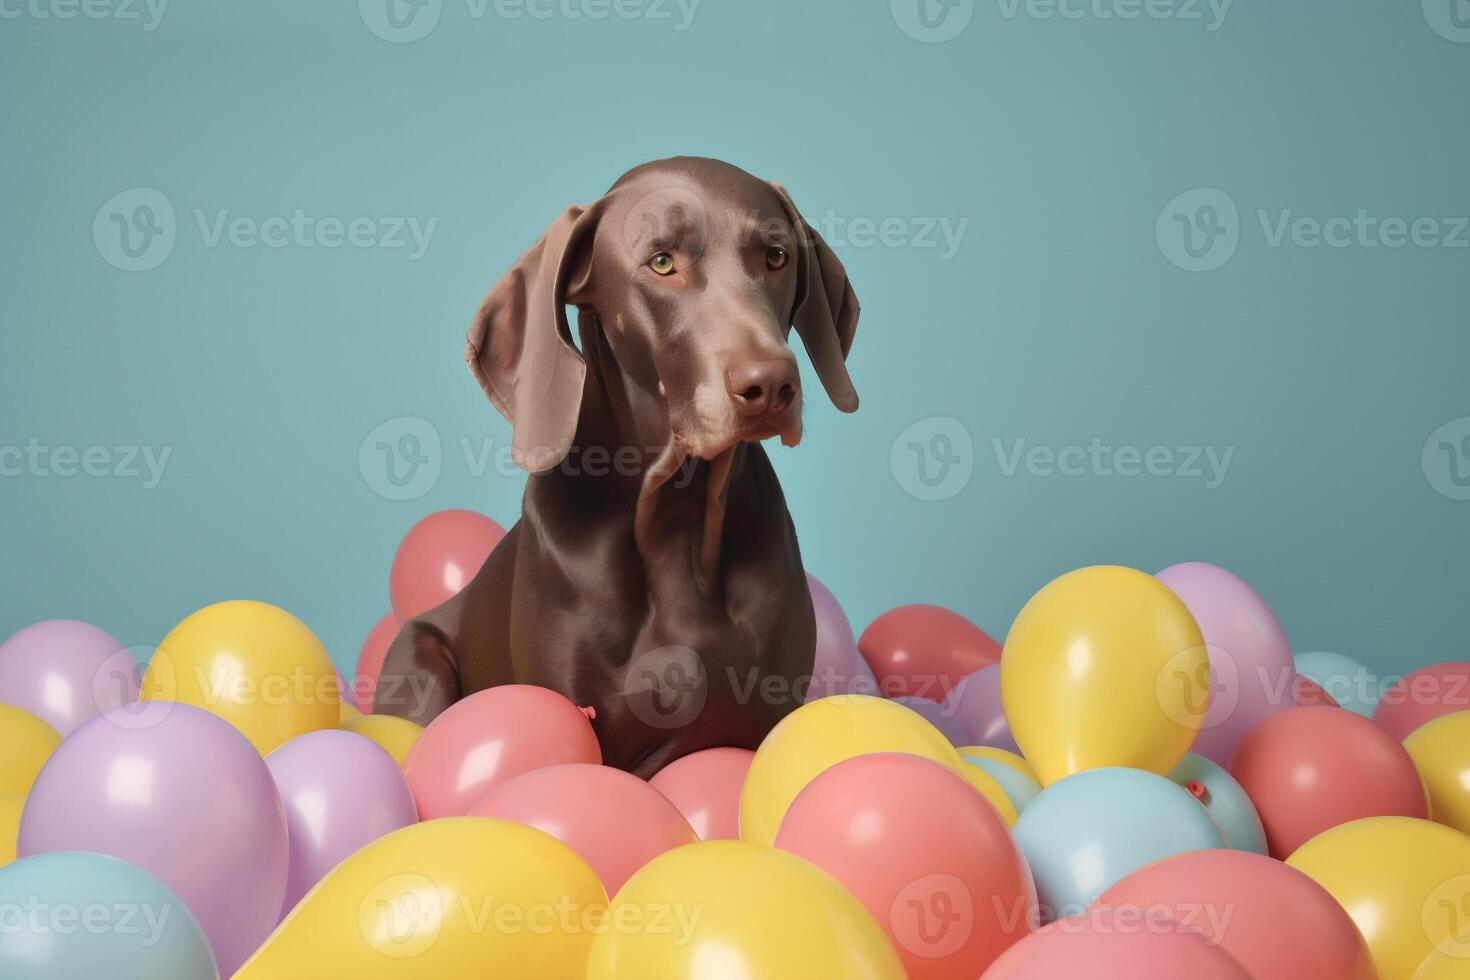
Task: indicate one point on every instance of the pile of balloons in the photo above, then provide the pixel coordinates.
(1142, 783)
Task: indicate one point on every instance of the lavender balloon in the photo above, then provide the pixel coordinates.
(66, 672)
(182, 795)
(838, 668)
(341, 792)
(941, 716)
(975, 704)
(1251, 667)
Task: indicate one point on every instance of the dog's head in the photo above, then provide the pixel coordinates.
(697, 272)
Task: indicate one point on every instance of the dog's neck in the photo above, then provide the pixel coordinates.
(628, 424)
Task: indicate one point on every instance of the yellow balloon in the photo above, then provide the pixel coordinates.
(991, 790)
(1441, 751)
(26, 742)
(254, 665)
(1002, 756)
(1405, 882)
(821, 734)
(1443, 966)
(395, 735)
(10, 807)
(443, 900)
(734, 909)
(347, 713)
(1105, 666)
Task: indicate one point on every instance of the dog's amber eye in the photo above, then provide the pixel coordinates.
(775, 257)
(662, 263)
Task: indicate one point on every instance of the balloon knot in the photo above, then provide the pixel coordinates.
(1197, 789)
(589, 711)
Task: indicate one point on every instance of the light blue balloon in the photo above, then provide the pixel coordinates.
(1019, 788)
(1225, 801)
(75, 916)
(1351, 684)
(1083, 834)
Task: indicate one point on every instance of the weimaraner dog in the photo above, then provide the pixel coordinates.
(654, 576)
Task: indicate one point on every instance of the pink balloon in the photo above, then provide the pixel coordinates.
(438, 557)
(1422, 696)
(975, 706)
(613, 819)
(838, 668)
(924, 650)
(1251, 667)
(1278, 923)
(370, 661)
(1102, 944)
(492, 737)
(924, 852)
(341, 792)
(1307, 693)
(181, 794)
(66, 672)
(705, 787)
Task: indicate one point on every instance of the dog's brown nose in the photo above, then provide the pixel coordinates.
(762, 387)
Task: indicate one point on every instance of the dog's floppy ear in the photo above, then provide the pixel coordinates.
(826, 312)
(520, 348)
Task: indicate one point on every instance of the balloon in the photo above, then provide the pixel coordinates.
(838, 668)
(1441, 752)
(1086, 832)
(1308, 769)
(1015, 777)
(924, 650)
(443, 900)
(183, 796)
(869, 822)
(822, 734)
(490, 737)
(1104, 667)
(370, 661)
(1106, 945)
(26, 742)
(396, 736)
(347, 713)
(438, 557)
(938, 715)
(760, 913)
(1442, 966)
(72, 915)
(705, 787)
(1224, 800)
(1307, 693)
(10, 810)
(65, 672)
(613, 819)
(976, 704)
(341, 792)
(252, 664)
(1350, 684)
(1280, 924)
(1251, 670)
(1424, 695)
(1405, 882)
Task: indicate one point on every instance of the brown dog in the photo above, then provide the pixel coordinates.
(654, 575)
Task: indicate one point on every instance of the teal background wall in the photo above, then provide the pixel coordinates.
(1070, 309)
